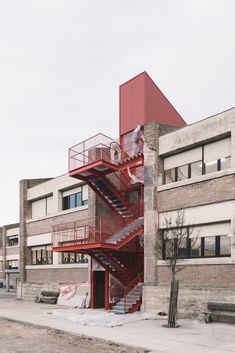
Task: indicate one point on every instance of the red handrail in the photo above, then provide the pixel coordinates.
(130, 286)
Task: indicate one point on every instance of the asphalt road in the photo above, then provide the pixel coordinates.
(20, 338)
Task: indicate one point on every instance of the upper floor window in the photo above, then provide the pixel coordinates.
(42, 207)
(75, 197)
(41, 255)
(12, 240)
(209, 158)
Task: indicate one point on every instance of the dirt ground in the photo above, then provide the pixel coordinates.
(20, 338)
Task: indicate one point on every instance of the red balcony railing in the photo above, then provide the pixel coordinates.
(89, 151)
(96, 148)
(91, 231)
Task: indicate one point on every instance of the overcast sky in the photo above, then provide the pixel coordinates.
(62, 61)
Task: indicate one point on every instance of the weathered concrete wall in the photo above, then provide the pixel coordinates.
(191, 301)
(205, 130)
(29, 291)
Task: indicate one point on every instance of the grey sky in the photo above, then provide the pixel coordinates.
(62, 61)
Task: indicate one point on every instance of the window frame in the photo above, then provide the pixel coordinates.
(188, 246)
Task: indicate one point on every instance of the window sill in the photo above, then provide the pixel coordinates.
(60, 213)
(198, 179)
(202, 261)
(52, 267)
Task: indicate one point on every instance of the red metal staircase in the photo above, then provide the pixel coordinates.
(112, 243)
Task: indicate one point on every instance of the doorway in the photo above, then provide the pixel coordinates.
(99, 289)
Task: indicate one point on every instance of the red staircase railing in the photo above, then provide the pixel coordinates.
(139, 278)
(92, 231)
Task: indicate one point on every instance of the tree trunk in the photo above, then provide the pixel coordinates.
(172, 313)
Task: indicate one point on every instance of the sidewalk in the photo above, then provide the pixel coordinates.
(193, 336)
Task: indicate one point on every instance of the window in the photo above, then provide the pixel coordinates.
(182, 172)
(225, 163)
(75, 198)
(42, 255)
(195, 247)
(13, 264)
(225, 245)
(13, 240)
(211, 246)
(74, 258)
(196, 169)
(170, 175)
(206, 159)
(42, 207)
(211, 167)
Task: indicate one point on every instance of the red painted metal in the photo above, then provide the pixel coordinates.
(142, 102)
(106, 294)
(139, 278)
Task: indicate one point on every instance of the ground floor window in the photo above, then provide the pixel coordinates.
(71, 258)
(42, 255)
(211, 246)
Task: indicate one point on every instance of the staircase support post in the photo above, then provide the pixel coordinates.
(106, 290)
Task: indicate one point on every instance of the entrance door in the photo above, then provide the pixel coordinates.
(99, 277)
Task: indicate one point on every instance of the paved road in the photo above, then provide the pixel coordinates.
(20, 338)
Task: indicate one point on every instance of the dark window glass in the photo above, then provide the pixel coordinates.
(41, 257)
(12, 241)
(209, 246)
(169, 248)
(66, 203)
(211, 167)
(225, 163)
(182, 248)
(225, 245)
(196, 169)
(74, 200)
(195, 247)
(182, 172)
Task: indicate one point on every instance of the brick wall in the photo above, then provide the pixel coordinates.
(219, 275)
(45, 225)
(205, 192)
(71, 275)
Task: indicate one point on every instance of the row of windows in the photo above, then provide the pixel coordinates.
(45, 257)
(212, 246)
(195, 169)
(41, 256)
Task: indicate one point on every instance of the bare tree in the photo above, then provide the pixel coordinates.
(172, 247)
